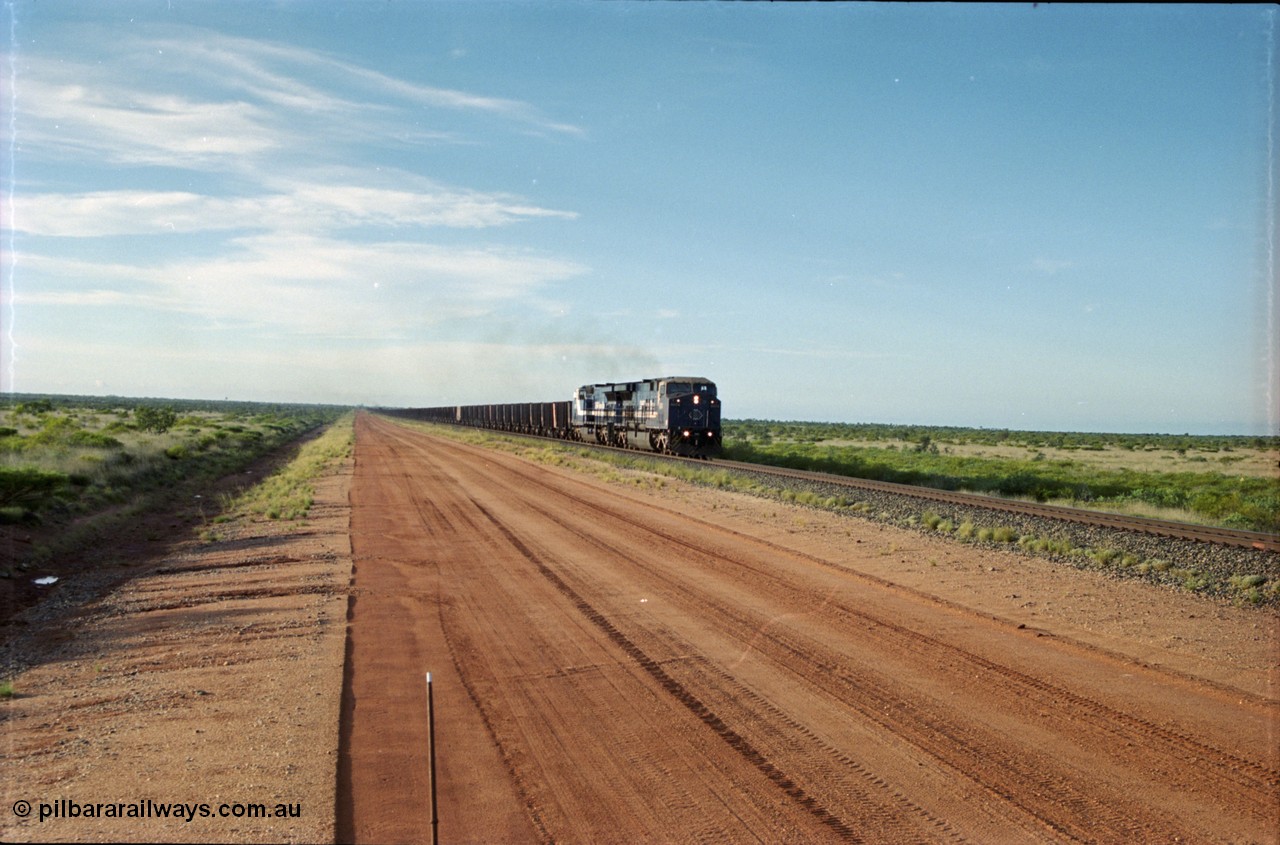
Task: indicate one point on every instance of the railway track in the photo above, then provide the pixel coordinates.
(1083, 516)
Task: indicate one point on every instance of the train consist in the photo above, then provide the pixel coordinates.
(676, 415)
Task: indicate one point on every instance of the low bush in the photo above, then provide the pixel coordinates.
(288, 494)
(28, 487)
(1004, 535)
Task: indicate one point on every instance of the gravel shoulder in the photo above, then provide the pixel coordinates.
(1212, 640)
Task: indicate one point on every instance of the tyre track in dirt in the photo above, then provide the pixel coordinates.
(872, 812)
(1233, 770)
(393, 621)
(564, 718)
(873, 809)
(1252, 785)
(681, 693)
(872, 725)
(1005, 775)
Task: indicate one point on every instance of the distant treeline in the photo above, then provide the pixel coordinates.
(54, 402)
(817, 432)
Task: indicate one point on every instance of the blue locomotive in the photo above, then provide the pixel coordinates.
(678, 415)
(675, 415)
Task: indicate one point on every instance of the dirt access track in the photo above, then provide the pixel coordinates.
(611, 666)
(633, 660)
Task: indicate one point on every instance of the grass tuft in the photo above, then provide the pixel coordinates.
(289, 493)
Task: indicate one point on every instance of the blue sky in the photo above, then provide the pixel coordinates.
(1049, 217)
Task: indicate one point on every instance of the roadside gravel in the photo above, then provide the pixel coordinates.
(1166, 561)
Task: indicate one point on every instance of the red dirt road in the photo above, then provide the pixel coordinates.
(609, 669)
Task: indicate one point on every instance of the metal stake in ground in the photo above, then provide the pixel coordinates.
(431, 761)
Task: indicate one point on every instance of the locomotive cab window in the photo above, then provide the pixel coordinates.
(684, 388)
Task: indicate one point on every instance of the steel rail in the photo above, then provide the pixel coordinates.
(1085, 516)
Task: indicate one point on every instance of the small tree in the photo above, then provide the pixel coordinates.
(159, 420)
(35, 406)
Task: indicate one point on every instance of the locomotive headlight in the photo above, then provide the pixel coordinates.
(686, 434)
(697, 399)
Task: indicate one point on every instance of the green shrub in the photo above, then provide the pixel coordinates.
(150, 418)
(1104, 557)
(15, 516)
(93, 439)
(29, 487)
(36, 406)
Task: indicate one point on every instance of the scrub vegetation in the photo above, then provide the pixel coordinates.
(1231, 481)
(75, 463)
(288, 493)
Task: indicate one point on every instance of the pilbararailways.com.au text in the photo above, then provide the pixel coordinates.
(67, 808)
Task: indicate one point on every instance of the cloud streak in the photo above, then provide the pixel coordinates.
(253, 103)
(130, 127)
(305, 285)
(300, 205)
(283, 238)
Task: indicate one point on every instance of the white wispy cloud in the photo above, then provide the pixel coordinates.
(307, 285)
(293, 205)
(271, 71)
(253, 101)
(127, 126)
(241, 111)
(230, 201)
